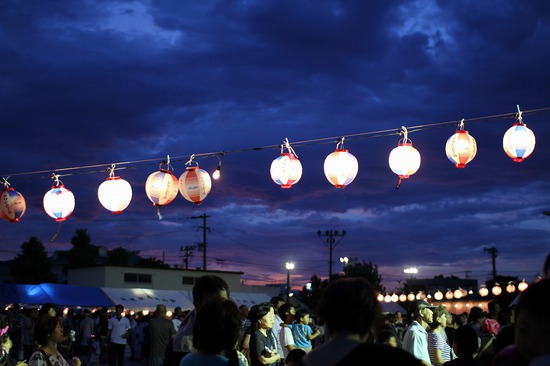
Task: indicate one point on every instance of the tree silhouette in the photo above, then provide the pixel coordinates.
(83, 253)
(32, 266)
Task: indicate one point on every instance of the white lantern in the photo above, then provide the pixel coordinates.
(195, 184)
(59, 202)
(286, 170)
(115, 194)
(522, 286)
(387, 298)
(341, 167)
(518, 142)
(511, 287)
(438, 295)
(483, 291)
(394, 297)
(461, 148)
(161, 187)
(458, 293)
(380, 297)
(449, 295)
(404, 160)
(410, 297)
(402, 297)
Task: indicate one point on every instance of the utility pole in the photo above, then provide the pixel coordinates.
(186, 252)
(330, 237)
(202, 246)
(493, 252)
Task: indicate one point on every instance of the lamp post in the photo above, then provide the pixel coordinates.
(344, 261)
(289, 267)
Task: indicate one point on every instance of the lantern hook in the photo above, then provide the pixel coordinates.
(191, 160)
(518, 115)
(405, 133)
(340, 143)
(111, 171)
(5, 182)
(167, 162)
(55, 177)
(289, 148)
(461, 125)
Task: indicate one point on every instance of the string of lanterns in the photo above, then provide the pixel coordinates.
(340, 168)
(458, 294)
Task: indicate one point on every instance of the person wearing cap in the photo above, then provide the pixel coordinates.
(415, 340)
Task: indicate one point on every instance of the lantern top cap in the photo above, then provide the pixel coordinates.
(286, 145)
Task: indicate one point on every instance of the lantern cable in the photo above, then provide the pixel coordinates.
(85, 169)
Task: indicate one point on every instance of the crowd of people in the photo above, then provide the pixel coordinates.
(348, 328)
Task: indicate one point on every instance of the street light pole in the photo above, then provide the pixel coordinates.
(330, 238)
(289, 267)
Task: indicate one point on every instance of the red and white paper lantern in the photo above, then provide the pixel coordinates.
(59, 202)
(161, 187)
(12, 205)
(195, 184)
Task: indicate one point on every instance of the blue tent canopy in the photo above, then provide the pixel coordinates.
(65, 295)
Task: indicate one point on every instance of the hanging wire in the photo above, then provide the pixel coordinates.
(95, 168)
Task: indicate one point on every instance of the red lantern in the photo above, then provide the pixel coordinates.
(195, 184)
(461, 148)
(12, 204)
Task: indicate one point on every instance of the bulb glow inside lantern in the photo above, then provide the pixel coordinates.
(438, 295)
(404, 160)
(161, 187)
(12, 205)
(496, 290)
(449, 295)
(519, 142)
(402, 297)
(115, 194)
(286, 170)
(341, 168)
(511, 287)
(522, 286)
(483, 291)
(195, 184)
(59, 202)
(461, 148)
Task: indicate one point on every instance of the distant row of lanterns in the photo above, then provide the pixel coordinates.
(449, 294)
(340, 168)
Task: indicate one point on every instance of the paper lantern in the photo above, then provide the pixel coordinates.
(461, 148)
(496, 290)
(59, 202)
(13, 205)
(518, 142)
(404, 160)
(402, 297)
(511, 287)
(387, 298)
(161, 187)
(458, 293)
(410, 297)
(483, 291)
(449, 295)
(286, 170)
(522, 286)
(438, 295)
(115, 194)
(341, 167)
(380, 297)
(394, 297)
(195, 184)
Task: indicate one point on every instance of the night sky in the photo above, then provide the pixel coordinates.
(85, 84)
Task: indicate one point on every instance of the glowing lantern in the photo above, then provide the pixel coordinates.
(519, 141)
(286, 170)
(483, 291)
(59, 201)
(195, 184)
(341, 167)
(461, 148)
(496, 290)
(115, 193)
(410, 297)
(438, 295)
(380, 297)
(511, 287)
(458, 293)
(387, 298)
(402, 297)
(161, 187)
(522, 286)
(449, 295)
(12, 204)
(394, 297)
(404, 160)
